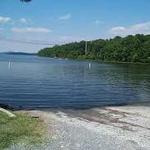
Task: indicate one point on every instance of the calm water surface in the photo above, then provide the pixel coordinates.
(36, 82)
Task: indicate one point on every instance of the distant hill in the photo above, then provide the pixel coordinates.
(18, 53)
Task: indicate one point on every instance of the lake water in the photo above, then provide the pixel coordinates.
(37, 82)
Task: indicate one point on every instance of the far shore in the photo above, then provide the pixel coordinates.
(99, 61)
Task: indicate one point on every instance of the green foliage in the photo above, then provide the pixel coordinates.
(19, 129)
(128, 49)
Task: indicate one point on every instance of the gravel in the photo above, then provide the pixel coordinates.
(111, 128)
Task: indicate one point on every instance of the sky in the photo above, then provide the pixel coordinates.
(28, 27)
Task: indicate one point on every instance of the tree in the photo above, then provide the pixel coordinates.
(128, 49)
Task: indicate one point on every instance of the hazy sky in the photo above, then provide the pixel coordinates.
(23, 25)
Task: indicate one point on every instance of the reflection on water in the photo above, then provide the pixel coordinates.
(31, 81)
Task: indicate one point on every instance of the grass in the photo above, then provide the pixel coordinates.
(22, 128)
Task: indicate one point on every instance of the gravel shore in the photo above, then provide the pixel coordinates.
(110, 128)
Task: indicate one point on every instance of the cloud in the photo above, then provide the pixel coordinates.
(4, 20)
(141, 28)
(118, 30)
(23, 20)
(31, 30)
(65, 17)
(69, 39)
(97, 22)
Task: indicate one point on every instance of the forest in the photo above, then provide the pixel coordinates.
(133, 48)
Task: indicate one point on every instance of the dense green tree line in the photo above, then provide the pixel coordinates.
(128, 49)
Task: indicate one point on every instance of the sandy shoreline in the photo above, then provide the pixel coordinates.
(109, 128)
